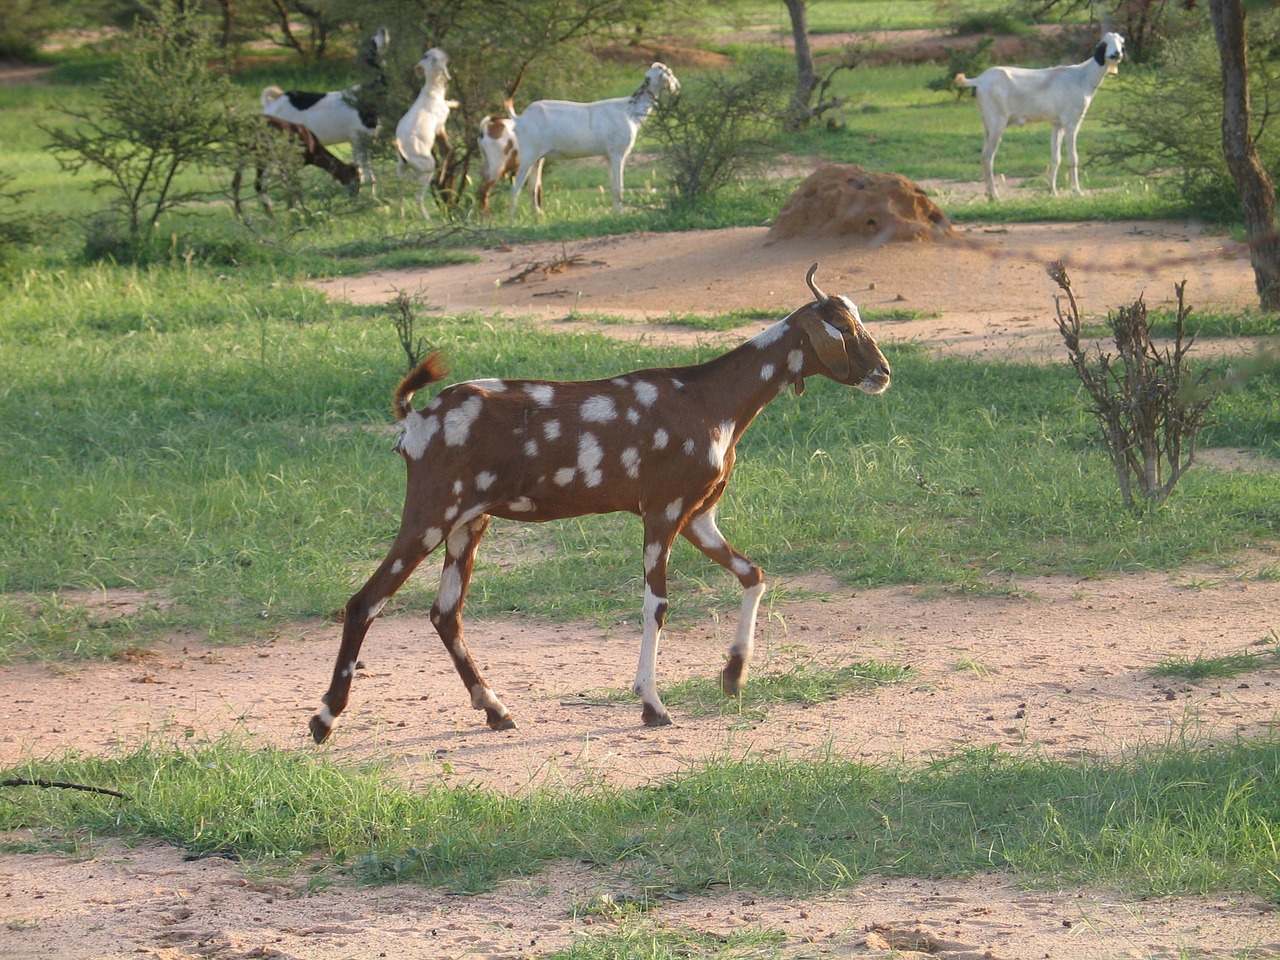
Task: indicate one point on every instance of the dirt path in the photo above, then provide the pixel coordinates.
(1054, 666)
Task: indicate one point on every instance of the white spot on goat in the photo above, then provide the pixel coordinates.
(451, 512)
(458, 421)
(767, 372)
(721, 439)
(589, 457)
(645, 392)
(450, 589)
(633, 415)
(652, 554)
(551, 429)
(631, 462)
(485, 479)
(689, 447)
(418, 431)
(488, 384)
(674, 509)
(542, 393)
(795, 361)
(598, 409)
(564, 476)
(431, 539)
(531, 448)
(521, 505)
(769, 335)
(457, 488)
(660, 438)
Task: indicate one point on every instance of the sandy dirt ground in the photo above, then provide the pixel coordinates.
(1051, 665)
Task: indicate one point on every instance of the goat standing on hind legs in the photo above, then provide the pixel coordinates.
(658, 443)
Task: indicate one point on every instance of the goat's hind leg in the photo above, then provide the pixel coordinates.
(360, 612)
(703, 533)
(446, 615)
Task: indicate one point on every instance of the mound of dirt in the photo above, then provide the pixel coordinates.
(846, 200)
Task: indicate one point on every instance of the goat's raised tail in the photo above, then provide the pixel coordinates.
(432, 369)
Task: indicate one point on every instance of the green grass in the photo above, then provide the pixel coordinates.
(794, 679)
(221, 441)
(1201, 667)
(1185, 819)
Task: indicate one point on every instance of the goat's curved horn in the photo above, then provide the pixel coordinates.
(822, 297)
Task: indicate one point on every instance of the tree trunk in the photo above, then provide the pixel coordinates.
(1257, 192)
(806, 77)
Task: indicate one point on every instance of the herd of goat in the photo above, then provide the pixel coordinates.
(517, 145)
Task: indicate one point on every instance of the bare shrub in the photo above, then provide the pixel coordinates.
(1148, 403)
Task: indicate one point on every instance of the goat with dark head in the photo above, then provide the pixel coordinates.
(658, 443)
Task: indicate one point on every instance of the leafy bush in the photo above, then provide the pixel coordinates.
(1170, 119)
(718, 129)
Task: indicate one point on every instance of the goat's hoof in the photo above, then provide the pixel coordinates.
(731, 677)
(652, 718)
(502, 723)
(319, 729)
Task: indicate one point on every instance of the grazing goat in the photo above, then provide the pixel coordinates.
(424, 122)
(658, 443)
(340, 116)
(314, 153)
(562, 130)
(501, 156)
(1058, 95)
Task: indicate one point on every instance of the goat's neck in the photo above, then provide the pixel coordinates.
(737, 385)
(640, 104)
(434, 88)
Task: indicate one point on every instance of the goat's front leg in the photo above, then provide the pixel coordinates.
(1055, 158)
(616, 165)
(990, 145)
(446, 615)
(361, 153)
(1073, 157)
(657, 552)
(361, 610)
(703, 533)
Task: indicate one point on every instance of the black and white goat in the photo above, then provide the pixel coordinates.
(339, 116)
(563, 130)
(1057, 95)
(659, 443)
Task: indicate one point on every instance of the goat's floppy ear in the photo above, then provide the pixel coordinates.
(827, 343)
(1100, 54)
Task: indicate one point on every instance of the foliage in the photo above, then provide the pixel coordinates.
(1150, 407)
(1142, 23)
(17, 227)
(970, 61)
(166, 109)
(1168, 124)
(718, 129)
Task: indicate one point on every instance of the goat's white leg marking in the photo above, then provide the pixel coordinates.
(657, 551)
(446, 615)
(704, 534)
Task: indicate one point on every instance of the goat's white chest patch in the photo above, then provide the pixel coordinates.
(795, 361)
(458, 421)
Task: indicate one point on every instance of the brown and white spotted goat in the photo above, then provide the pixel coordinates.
(658, 443)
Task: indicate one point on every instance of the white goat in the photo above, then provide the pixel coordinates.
(339, 116)
(424, 122)
(501, 156)
(562, 129)
(1058, 95)
(659, 443)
